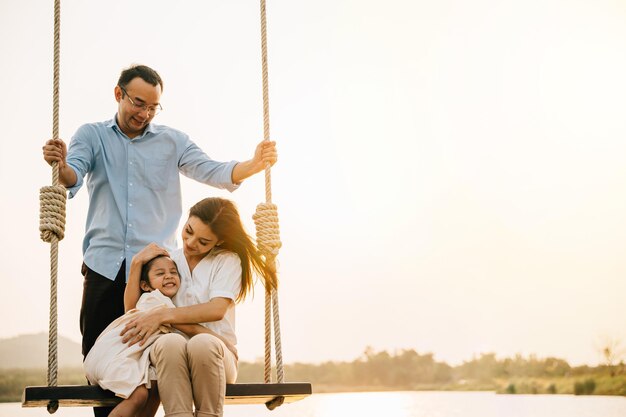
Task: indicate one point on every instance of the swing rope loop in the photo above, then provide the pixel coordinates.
(52, 213)
(268, 236)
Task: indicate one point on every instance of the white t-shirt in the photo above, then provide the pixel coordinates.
(218, 274)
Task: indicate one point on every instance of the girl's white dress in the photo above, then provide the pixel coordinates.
(114, 365)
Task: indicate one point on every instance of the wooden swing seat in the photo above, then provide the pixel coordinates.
(94, 396)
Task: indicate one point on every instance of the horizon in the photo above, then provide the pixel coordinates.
(450, 179)
(391, 352)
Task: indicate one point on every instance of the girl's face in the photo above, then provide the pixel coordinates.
(163, 276)
(198, 238)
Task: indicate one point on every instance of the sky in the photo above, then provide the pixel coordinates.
(451, 174)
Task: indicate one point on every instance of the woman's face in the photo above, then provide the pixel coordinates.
(198, 238)
(163, 276)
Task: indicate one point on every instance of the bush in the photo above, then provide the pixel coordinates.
(590, 386)
(587, 387)
(579, 388)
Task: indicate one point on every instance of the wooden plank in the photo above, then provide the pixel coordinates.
(94, 396)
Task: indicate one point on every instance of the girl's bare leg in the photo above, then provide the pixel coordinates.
(131, 405)
(152, 405)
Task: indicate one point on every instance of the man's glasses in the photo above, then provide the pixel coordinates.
(143, 107)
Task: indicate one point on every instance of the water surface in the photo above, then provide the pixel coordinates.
(403, 404)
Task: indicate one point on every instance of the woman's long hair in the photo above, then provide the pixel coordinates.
(222, 217)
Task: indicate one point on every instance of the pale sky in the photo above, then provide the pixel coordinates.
(451, 175)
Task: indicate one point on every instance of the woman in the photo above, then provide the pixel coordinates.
(216, 264)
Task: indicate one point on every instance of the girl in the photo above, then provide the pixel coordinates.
(216, 263)
(123, 369)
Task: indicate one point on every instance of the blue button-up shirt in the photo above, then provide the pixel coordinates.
(134, 188)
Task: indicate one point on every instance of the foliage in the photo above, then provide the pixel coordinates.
(13, 381)
(586, 387)
(402, 370)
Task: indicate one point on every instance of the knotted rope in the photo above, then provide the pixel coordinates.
(266, 220)
(52, 216)
(52, 213)
(268, 236)
(268, 242)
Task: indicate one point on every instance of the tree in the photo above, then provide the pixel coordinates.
(612, 352)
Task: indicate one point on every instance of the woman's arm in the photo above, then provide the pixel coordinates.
(214, 310)
(226, 283)
(144, 324)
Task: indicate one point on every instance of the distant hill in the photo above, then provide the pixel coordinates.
(31, 351)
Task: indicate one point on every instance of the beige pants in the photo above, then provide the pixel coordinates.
(191, 373)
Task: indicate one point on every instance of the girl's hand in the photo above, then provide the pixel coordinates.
(142, 326)
(148, 253)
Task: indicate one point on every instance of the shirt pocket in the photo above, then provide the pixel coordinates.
(156, 173)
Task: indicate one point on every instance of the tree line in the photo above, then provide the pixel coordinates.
(403, 370)
(410, 370)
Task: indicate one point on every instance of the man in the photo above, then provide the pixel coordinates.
(131, 167)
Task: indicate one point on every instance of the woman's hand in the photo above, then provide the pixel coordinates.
(142, 326)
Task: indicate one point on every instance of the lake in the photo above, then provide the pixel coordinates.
(404, 404)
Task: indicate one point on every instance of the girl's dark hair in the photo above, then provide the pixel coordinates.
(145, 73)
(222, 217)
(145, 270)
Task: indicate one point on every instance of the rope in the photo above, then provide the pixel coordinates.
(52, 216)
(266, 220)
(280, 373)
(52, 221)
(268, 236)
(268, 242)
(52, 213)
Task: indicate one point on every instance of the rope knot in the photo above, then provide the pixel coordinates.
(267, 232)
(52, 212)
